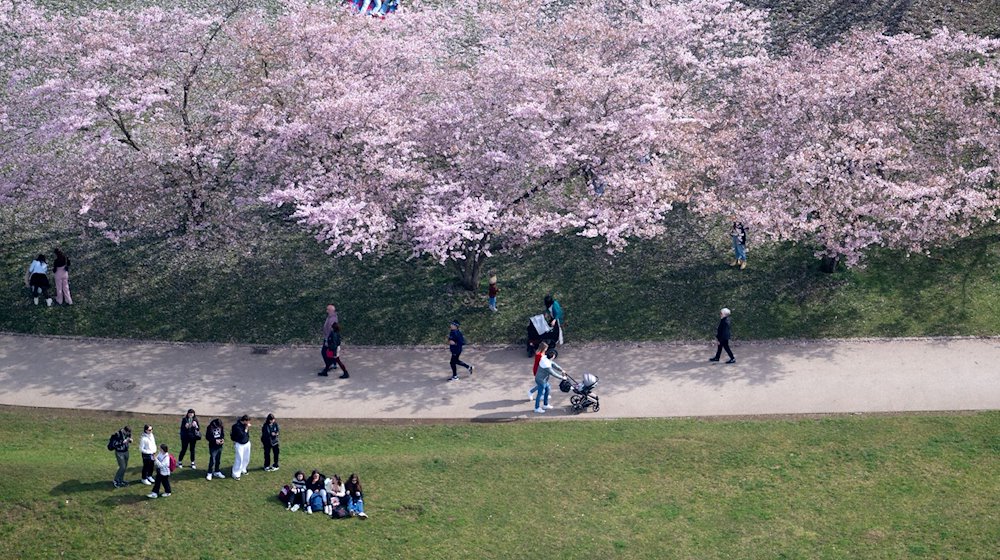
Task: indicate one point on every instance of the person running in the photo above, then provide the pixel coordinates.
(546, 368)
(240, 434)
(269, 439)
(455, 344)
(216, 436)
(120, 443)
(61, 267)
(162, 464)
(331, 352)
(190, 433)
(722, 334)
(37, 278)
(147, 446)
(355, 497)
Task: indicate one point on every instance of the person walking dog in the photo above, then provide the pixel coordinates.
(722, 334)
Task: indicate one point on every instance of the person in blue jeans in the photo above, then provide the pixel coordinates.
(455, 344)
(739, 235)
(546, 368)
(355, 497)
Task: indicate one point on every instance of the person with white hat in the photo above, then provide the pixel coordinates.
(722, 334)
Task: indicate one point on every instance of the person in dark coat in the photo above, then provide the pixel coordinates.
(269, 439)
(331, 352)
(723, 334)
(455, 344)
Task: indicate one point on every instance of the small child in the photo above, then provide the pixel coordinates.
(494, 290)
(162, 465)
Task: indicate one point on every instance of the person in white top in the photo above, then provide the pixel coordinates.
(37, 278)
(147, 446)
(162, 463)
(546, 368)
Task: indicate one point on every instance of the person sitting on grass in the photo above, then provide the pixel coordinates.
(355, 497)
(315, 484)
(298, 491)
(336, 494)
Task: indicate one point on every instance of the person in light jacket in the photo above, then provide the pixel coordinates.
(546, 368)
(147, 446)
(162, 464)
(37, 278)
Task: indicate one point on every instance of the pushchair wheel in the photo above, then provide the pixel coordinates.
(597, 406)
(575, 400)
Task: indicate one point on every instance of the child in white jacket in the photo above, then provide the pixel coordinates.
(162, 464)
(147, 446)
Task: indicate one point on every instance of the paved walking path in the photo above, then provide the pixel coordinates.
(636, 380)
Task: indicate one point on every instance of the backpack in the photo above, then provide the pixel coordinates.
(285, 494)
(339, 512)
(316, 501)
(113, 442)
(173, 462)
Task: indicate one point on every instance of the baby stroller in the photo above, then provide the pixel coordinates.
(540, 331)
(583, 395)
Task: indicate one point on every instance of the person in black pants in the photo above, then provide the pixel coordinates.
(723, 334)
(455, 343)
(190, 434)
(269, 439)
(216, 436)
(331, 352)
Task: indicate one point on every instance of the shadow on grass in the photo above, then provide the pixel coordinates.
(76, 486)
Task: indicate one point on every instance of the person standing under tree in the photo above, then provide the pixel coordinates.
(61, 267)
(555, 312)
(739, 236)
(37, 278)
(493, 291)
(723, 333)
(269, 439)
(455, 344)
(240, 434)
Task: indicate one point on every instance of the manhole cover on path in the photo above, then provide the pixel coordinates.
(120, 385)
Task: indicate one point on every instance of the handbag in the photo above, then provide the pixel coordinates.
(328, 352)
(196, 434)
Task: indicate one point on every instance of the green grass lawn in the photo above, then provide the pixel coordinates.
(846, 487)
(667, 289)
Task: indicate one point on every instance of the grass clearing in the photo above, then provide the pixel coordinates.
(668, 289)
(842, 487)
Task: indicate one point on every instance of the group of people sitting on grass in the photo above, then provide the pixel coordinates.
(374, 8)
(331, 495)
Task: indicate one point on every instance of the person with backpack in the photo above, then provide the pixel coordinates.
(119, 443)
(240, 434)
(455, 344)
(190, 433)
(216, 436)
(147, 446)
(331, 352)
(165, 463)
(269, 439)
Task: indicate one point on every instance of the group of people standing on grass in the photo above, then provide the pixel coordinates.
(37, 279)
(330, 495)
(158, 463)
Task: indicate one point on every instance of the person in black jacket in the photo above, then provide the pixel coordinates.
(269, 439)
(738, 233)
(216, 436)
(723, 334)
(121, 442)
(331, 352)
(240, 434)
(190, 433)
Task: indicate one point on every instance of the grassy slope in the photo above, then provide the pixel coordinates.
(667, 289)
(835, 488)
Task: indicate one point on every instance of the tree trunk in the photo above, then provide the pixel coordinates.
(829, 264)
(469, 271)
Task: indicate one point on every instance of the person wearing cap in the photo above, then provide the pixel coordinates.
(494, 290)
(455, 343)
(723, 333)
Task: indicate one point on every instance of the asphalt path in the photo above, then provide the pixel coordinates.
(398, 384)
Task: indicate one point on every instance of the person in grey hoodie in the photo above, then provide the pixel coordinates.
(546, 368)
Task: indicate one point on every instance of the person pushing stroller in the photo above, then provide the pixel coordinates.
(546, 368)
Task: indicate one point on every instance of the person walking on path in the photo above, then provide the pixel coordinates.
(493, 291)
(723, 333)
(216, 436)
(331, 318)
(546, 368)
(269, 439)
(61, 266)
(543, 347)
(37, 278)
(240, 435)
(162, 464)
(147, 446)
(455, 344)
(122, 440)
(331, 352)
(739, 236)
(555, 312)
(190, 433)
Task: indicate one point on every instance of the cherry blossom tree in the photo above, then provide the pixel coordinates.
(520, 120)
(876, 141)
